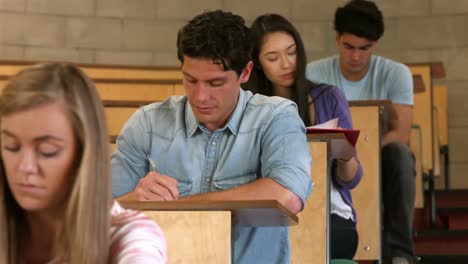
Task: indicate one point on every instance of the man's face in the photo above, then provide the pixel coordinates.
(355, 55)
(212, 92)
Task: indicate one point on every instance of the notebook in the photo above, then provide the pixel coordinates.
(331, 126)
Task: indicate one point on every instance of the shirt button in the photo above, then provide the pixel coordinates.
(213, 143)
(208, 180)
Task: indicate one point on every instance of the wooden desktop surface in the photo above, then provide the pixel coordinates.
(244, 212)
(388, 111)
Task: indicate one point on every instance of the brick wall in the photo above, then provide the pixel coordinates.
(143, 32)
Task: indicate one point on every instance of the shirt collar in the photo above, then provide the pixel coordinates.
(234, 121)
(191, 122)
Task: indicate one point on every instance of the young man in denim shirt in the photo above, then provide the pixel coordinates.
(218, 142)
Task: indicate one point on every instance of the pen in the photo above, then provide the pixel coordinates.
(153, 165)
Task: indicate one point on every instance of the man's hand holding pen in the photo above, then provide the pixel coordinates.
(156, 187)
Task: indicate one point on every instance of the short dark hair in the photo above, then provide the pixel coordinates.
(217, 35)
(361, 18)
(258, 81)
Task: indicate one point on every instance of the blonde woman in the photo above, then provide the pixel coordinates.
(55, 177)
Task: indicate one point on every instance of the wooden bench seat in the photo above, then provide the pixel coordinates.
(154, 92)
(117, 117)
(96, 71)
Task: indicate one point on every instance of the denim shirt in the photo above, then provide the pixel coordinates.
(264, 137)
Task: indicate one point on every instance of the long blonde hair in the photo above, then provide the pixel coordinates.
(84, 235)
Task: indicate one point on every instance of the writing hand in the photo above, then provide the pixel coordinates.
(156, 187)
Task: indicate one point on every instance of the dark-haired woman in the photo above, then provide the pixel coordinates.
(279, 69)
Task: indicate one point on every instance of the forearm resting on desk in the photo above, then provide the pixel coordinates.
(262, 189)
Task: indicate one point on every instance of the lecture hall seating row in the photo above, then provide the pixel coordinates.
(124, 88)
(429, 138)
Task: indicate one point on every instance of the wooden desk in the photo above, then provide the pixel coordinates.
(310, 239)
(437, 69)
(200, 231)
(252, 213)
(440, 99)
(418, 84)
(370, 117)
(424, 118)
(423, 111)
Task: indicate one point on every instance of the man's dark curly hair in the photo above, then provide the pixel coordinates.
(217, 35)
(361, 18)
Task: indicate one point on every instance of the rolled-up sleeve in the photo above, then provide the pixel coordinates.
(285, 154)
(129, 163)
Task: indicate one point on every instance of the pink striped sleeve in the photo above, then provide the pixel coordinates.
(135, 238)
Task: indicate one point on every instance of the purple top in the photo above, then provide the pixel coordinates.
(331, 103)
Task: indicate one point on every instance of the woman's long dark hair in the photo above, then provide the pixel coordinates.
(259, 83)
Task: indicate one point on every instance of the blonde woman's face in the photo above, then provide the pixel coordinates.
(38, 148)
(278, 58)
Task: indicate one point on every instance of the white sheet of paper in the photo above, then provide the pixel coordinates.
(332, 123)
